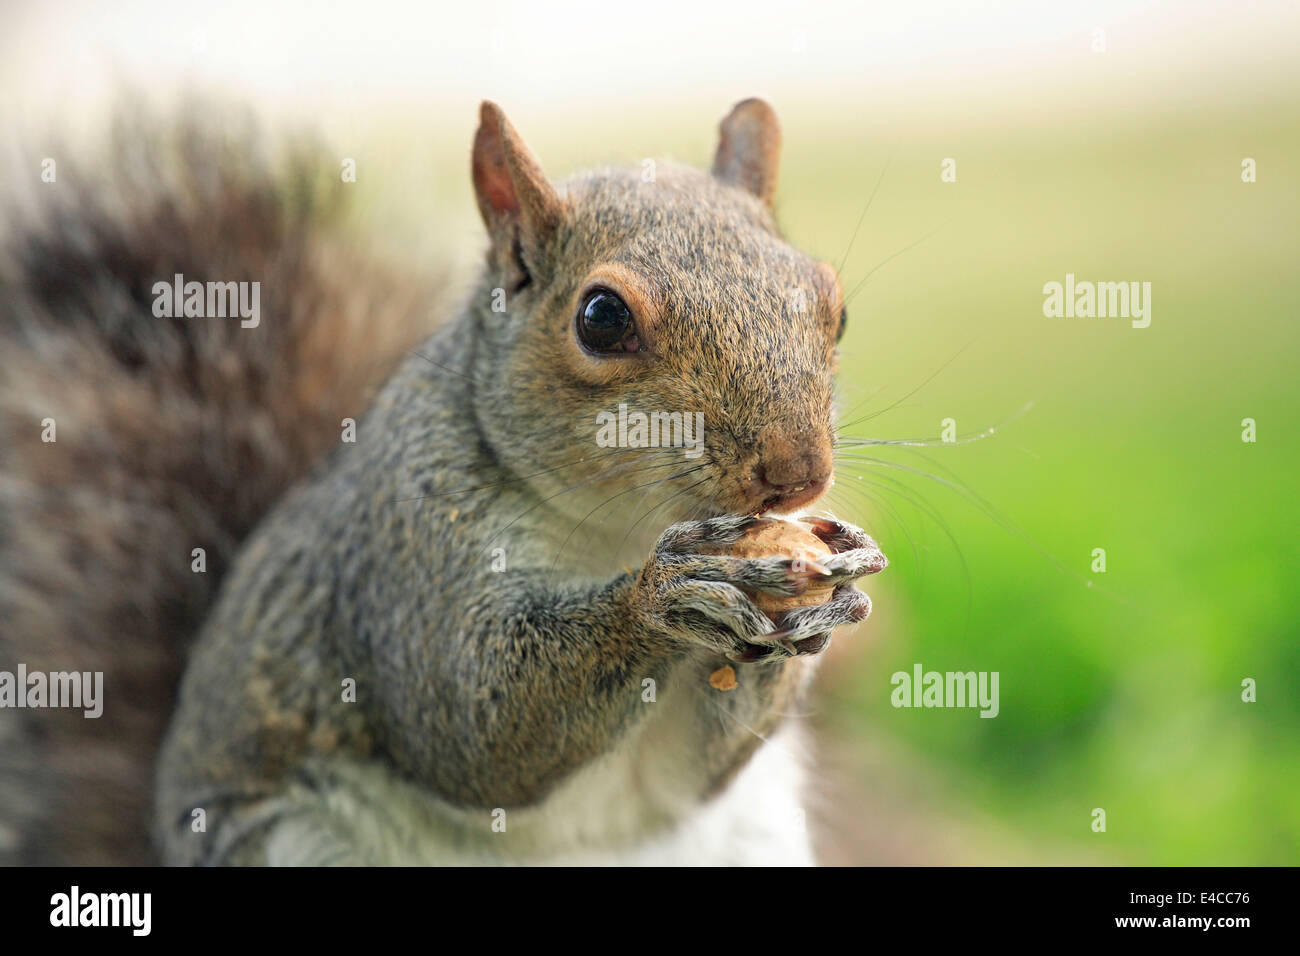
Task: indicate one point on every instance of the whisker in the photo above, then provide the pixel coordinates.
(889, 408)
(650, 485)
(850, 440)
(536, 474)
(896, 488)
(603, 476)
(874, 503)
(889, 485)
(628, 532)
(724, 712)
(990, 511)
(870, 199)
(970, 496)
(448, 368)
(912, 245)
(870, 395)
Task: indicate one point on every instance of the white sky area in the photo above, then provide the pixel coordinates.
(68, 57)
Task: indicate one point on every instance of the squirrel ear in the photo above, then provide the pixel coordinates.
(749, 148)
(518, 203)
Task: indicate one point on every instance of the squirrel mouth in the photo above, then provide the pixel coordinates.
(790, 498)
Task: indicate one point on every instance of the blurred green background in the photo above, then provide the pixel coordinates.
(1119, 690)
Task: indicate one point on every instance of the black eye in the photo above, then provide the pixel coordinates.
(844, 321)
(605, 323)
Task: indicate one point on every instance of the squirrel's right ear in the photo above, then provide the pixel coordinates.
(518, 203)
(749, 148)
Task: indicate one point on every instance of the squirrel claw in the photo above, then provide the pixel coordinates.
(823, 526)
(750, 654)
(839, 536)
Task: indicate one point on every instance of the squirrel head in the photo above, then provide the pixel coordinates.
(665, 291)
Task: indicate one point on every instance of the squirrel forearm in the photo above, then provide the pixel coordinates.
(525, 691)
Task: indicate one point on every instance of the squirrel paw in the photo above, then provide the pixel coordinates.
(843, 538)
(696, 597)
(699, 597)
(807, 630)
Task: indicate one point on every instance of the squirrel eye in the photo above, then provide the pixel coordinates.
(605, 324)
(844, 321)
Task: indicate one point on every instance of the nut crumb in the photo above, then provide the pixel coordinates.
(724, 678)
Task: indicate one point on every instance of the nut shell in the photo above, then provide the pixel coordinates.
(774, 537)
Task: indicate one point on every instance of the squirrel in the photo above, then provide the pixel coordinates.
(471, 634)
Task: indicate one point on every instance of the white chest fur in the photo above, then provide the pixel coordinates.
(618, 811)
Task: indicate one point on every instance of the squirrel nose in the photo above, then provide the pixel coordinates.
(792, 473)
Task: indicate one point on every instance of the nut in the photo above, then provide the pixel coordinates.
(769, 537)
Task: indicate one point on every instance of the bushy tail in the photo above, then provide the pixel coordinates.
(127, 441)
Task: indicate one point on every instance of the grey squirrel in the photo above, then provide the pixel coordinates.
(471, 635)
